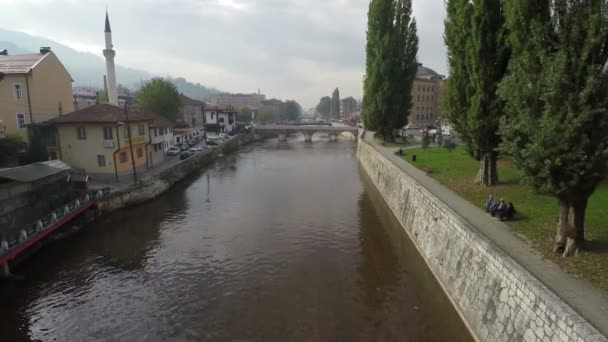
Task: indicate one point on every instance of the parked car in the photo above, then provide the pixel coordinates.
(222, 136)
(212, 141)
(185, 154)
(193, 142)
(183, 146)
(196, 149)
(173, 151)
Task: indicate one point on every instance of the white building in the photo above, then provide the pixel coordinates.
(161, 139)
(220, 118)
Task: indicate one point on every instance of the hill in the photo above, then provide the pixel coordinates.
(88, 69)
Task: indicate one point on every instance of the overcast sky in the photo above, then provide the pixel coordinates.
(290, 49)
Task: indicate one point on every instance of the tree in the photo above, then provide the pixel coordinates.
(392, 46)
(557, 94)
(478, 56)
(102, 96)
(264, 116)
(292, 110)
(160, 96)
(244, 114)
(324, 106)
(10, 148)
(335, 104)
(37, 147)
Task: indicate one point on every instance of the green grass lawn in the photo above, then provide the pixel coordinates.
(536, 214)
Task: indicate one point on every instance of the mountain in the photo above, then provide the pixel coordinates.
(88, 69)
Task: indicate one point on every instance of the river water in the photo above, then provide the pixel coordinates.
(277, 242)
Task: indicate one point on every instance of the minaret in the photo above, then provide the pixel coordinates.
(109, 53)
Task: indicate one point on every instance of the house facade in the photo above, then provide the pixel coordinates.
(426, 97)
(33, 89)
(96, 139)
(161, 139)
(220, 118)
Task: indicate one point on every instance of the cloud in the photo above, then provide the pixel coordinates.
(300, 49)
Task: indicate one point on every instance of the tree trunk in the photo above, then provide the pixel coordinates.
(570, 236)
(488, 170)
(563, 225)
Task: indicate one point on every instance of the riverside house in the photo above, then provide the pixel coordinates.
(34, 88)
(96, 140)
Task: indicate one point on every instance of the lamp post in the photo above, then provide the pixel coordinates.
(130, 144)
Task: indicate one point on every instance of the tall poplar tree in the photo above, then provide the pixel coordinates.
(335, 104)
(478, 56)
(557, 95)
(392, 46)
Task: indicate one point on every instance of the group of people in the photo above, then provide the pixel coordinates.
(500, 209)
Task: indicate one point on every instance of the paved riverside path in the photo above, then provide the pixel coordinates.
(588, 301)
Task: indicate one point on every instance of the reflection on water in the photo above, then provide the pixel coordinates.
(276, 242)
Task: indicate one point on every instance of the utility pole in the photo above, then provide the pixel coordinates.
(130, 144)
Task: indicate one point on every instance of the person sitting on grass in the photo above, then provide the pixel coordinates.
(508, 213)
(499, 208)
(490, 203)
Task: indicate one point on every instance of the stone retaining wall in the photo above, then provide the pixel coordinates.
(497, 298)
(152, 187)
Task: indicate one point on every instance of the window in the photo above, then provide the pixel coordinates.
(101, 160)
(20, 120)
(122, 157)
(81, 132)
(155, 147)
(141, 130)
(221, 120)
(18, 91)
(156, 132)
(140, 152)
(107, 133)
(177, 139)
(212, 115)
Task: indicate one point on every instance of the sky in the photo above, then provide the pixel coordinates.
(289, 49)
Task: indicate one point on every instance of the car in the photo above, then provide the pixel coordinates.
(183, 146)
(222, 136)
(213, 141)
(185, 154)
(193, 142)
(173, 151)
(196, 149)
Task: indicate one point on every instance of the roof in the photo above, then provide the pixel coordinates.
(185, 100)
(180, 124)
(424, 71)
(100, 113)
(33, 172)
(20, 64)
(107, 23)
(158, 120)
(218, 108)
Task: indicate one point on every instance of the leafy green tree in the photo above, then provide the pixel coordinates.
(426, 140)
(36, 149)
(478, 56)
(10, 148)
(160, 96)
(102, 96)
(244, 114)
(392, 46)
(324, 106)
(264, 116)
(292, 110)
(557, 98)
(335, 104)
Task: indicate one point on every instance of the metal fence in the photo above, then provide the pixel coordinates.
(18, 237)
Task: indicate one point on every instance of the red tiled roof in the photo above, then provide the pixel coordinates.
(185, 100)
(101, 113)
(158, 120)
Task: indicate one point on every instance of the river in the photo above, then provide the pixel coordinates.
(277, 242)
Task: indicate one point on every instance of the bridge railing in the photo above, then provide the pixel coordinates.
(16, 238)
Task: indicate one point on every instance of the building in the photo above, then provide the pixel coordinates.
(191, 112)
(426, 97)
(161, 139)
(274, 106)
(33, 88)
(252, 101)
(96, 139)
(348, 106)
(85, 97)
(219, 118)
(109, 54)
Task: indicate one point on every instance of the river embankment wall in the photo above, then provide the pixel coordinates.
(154, 186)
(496, 296)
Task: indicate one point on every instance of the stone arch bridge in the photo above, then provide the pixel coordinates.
(307, 130)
